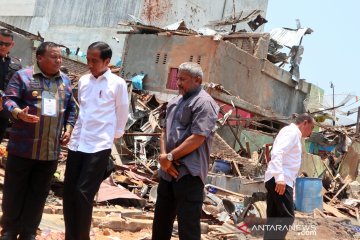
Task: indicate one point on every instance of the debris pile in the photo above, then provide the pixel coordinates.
(235, 195)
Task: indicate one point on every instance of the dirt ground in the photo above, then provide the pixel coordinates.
(317, 229)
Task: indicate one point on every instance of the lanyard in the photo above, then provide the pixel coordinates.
(48, 83)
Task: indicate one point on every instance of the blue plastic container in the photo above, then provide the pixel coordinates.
(308, 194)
(221, 166)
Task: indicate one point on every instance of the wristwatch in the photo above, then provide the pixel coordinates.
(169, 157)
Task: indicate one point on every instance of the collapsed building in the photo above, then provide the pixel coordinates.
(236, 72)
(75, 24)
(244, 73)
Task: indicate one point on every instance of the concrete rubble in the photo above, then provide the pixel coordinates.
(235, 194)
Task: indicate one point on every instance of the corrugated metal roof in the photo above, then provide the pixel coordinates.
(289, 37)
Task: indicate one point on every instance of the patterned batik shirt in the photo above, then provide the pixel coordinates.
(41, 140)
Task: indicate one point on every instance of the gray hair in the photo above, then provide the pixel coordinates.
(192, 68)
(304, 117)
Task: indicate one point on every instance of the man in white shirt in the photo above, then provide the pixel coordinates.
(103, 100)
(281, 174)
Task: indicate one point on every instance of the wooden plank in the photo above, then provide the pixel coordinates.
(236, 167)
(327, 168)
(334, 211)
(248, 149)
(319, 212)
(226, 191)
(341, 189)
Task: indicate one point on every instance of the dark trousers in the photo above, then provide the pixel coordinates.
(183, 199)
(4, 122)
(83, 176)
(26, 186)
(279, 211)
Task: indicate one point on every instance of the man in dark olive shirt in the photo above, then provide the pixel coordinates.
(185, 150)
(8, 66)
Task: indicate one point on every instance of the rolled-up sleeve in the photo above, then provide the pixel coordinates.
(204, 118)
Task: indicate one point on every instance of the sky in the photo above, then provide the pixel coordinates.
(332, 51)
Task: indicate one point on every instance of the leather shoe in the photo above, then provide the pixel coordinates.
(27, 237)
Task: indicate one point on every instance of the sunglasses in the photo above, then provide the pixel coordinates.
(6, 44)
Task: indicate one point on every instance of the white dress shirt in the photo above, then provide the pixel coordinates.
(103, 113)
(285, 156)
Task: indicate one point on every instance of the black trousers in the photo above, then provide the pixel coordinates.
(4, 122)
(280, 211)
(26, 186)
(83, 176)
(182, 199)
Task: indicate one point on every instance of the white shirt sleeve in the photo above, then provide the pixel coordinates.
(122, 109)
(283, 144)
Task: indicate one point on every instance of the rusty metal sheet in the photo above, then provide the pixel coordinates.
(109, 191)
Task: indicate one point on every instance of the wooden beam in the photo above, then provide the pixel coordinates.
(341, 189)
(334, 211)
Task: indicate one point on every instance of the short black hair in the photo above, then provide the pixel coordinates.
(44, 46)
(304, 117)
(6, 33)
(104, 48)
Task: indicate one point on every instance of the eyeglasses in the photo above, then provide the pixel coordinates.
(6, 44)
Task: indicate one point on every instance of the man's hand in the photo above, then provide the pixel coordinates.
(280, 187)
(65, 138)
(167, 166)
(26, 117)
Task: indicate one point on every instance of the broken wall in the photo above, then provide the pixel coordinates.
(198, 13)
(157, 55)
(257, 81)
(256, 139)
(74, 23)
(23, 49)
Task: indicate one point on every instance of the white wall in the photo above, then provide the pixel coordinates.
(78, 23)
(17, 7)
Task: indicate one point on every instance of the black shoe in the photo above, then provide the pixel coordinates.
(27, 237)
(8, 236)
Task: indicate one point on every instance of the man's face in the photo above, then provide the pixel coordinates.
(6, 44)
(186, 82)
(96, 65)
(50, 62)
(307, 128)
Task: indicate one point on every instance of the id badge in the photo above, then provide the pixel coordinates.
(48, 104)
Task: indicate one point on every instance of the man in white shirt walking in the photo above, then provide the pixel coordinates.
(281, 174)
(103, 100)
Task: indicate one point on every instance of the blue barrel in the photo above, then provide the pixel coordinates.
(308, 194)
(221, 166)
